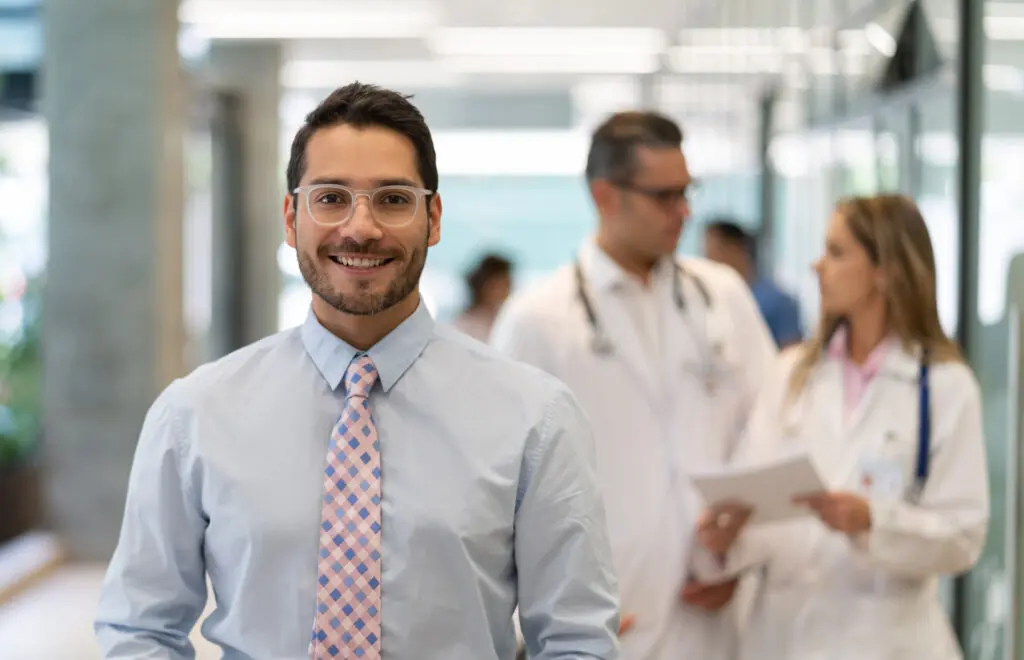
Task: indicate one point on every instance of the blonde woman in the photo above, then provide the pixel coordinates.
(883, 402)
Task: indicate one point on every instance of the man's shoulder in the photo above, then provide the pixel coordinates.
(723, 284)
(768, 291)
(544, 294)
(487, 367)
(486, 379)
(233, 373)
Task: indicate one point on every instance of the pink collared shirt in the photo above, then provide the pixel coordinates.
(856, 377)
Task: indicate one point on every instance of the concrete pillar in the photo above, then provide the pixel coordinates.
(114, 99)
(649, 91)
(248, 189)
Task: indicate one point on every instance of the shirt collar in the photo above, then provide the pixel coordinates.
(392, 355)
(604, 274)
(838, 349)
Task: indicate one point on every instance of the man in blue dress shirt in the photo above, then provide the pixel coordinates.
(728, 243)
(473, 491)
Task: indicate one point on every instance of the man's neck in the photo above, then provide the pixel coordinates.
(363, 332)
(484, 310)
(747, 272)
(639, 268)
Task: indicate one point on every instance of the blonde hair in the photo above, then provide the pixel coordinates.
(893, 232)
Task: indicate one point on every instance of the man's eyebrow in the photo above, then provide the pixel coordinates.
(400, 181)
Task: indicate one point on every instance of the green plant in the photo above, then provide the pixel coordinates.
(20, 380)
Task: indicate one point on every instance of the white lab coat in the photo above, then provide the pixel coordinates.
(653, 423)
(876, 597)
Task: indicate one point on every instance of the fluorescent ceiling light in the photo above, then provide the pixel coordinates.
(613, 63)
(1003, 78)
(308, 19)
(723, 59)
(327, 74)
(453, 71)
(1004, 28)
(547, 41)
(880, 38)
(789, 39)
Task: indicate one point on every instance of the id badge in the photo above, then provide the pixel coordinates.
(882, 478)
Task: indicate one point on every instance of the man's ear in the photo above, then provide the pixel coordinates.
(434, 221)
(605, 196)
(289, 219)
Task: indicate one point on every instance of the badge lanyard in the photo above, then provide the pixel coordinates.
(924, 429)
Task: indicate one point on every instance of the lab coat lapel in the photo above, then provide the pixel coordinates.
(629, 349)
(829, 416)
(603, 280)
(899, 367)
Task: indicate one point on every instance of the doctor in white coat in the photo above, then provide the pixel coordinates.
(667, 358)
(883, 402)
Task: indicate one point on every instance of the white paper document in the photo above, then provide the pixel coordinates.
(768, 488)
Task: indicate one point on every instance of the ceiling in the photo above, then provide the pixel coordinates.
(564, 63)
(524, 63)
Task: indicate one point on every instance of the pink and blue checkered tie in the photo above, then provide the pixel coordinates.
(348, 596)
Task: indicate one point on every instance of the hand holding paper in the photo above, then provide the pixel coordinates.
(719, 526)
(848, 513)
(768, 490)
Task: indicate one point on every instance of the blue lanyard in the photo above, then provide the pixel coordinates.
(924, 427)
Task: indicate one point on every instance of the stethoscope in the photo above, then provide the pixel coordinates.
(602, 345)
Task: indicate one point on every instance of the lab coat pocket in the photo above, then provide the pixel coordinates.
(885, 473)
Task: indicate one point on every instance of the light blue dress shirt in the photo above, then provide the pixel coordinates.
(489, 499)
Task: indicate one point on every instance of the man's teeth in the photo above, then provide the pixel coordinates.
(356, 262)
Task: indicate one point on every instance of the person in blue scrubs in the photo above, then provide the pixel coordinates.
(728, 243)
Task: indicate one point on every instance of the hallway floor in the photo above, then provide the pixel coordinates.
(53, 619)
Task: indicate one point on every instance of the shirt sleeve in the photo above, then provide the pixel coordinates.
(568, 595)
(754, 343)
(155, 588)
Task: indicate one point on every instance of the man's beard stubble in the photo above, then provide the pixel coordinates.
(365, 303)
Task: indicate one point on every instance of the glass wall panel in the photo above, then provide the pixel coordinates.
(934, 177)
(994, 592)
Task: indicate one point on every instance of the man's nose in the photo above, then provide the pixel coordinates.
(682, 208)
(362, 226)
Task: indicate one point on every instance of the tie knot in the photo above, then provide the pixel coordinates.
(360, 376)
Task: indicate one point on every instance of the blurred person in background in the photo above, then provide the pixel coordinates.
(883, 402)
(368, 484)
(728, 243)
(490, 284)
(667, 357)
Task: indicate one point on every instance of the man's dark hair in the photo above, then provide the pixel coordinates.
(613, 145)
(731, 232)
(361, 105)
(490, 266)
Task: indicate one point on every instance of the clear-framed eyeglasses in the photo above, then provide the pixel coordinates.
(331, 204)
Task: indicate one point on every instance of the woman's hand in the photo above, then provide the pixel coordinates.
(844, 512)
(719, 526)
(626, 623)
(709, 597)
